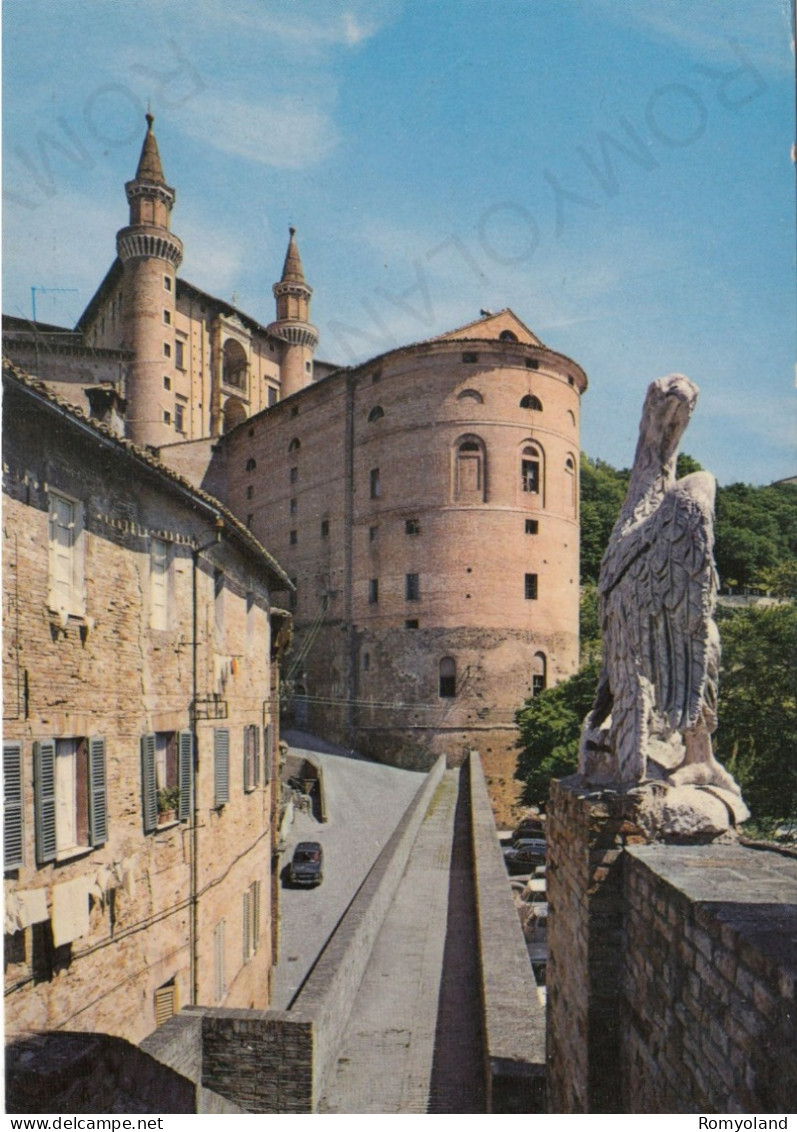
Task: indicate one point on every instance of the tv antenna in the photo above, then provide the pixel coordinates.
(47, 291)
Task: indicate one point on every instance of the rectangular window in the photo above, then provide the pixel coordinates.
(159, 578)
(165, 1003)
(179, 355)
(13, 806)
(167, 317)
(167, 382)
(167, 417)
(531, 587)
(412, 587)
(537, 683)
(373, 591)
(532, 526)
(272, 396)
(179, 417)
(412, 527)
(221, 766)
(167, 283)
(411, 623)
(250, 491)
(293, 538)
(167, 777)
(70, 796)
(294, 475)
(469, 357)
(251, 757)
(66, 557)
(293, 506)
(325, 528)
(530, 475)
(372, 533)
(219, 966)
(167, 350)
(532, 363)
(366, 662)
(376, 487)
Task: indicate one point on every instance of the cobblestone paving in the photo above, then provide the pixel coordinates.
(364, 802)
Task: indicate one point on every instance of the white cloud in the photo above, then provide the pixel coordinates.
(284, 132)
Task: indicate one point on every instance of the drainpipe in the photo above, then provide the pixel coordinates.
(194, 883)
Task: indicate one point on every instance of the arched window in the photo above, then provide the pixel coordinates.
(251, 464)
(531, 402)
(507, 336)
(532, 469)
(294, 445)
(471, 395)
(376, 413)
(571, 416)
(469, 479)
(539, 674)
(234, 364)
(234, 413)
(448, 678)
(572, 482)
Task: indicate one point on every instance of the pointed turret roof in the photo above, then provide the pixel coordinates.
(293, 272)
(149, 164)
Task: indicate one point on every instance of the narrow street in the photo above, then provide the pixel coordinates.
(364, 803)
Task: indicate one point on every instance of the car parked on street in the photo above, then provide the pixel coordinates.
(307, 864)
(524, 860)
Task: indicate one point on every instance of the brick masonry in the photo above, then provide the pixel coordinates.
(671, 968)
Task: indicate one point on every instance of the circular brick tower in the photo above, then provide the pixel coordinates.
(150, 255)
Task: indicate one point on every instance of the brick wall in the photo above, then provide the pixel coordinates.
(671, 968)
(107, 673)
(708, 1004)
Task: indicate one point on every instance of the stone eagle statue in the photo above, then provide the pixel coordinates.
(655, 706)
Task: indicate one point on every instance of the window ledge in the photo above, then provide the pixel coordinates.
(76, 851)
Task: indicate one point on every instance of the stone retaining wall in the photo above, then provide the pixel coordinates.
(294, 1050)
(514, 1018)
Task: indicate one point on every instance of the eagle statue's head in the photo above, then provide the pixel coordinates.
(668, 407)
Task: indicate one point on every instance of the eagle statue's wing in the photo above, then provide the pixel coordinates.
(665, 585)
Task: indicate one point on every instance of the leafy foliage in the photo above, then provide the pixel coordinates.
(603, 490)
(550, 725)
(756, 530)
(756, 737)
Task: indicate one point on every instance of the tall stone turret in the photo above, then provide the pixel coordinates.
(150, 255)
(292, 326)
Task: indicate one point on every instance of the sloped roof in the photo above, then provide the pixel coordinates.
(128, 450)
(492, 325)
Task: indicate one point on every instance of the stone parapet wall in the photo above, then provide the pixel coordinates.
(671, 968)
(294, 1050)
(708, 1004)
(514, 1018)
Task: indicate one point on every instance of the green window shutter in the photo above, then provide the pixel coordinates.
(248, 763)
(98, 795)
(247, 926)
(13, 840)
(221, 765)
(185, 773)
(267, 754)
(44, 799)
(149, 783)
(255, 899)
(256, 755)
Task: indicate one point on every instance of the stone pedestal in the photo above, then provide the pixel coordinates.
(587, 830)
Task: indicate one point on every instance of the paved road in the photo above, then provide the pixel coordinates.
(364, 803)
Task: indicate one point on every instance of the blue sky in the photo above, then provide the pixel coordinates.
(616, 171)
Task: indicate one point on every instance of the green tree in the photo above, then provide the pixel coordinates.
(756, 735)
(550, 726)
(603, 490)
(755, 529)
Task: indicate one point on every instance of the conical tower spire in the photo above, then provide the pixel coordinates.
(292, 326)
(149, 164)
(293, 272)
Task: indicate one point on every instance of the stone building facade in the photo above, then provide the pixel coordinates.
(139, 738)
(426, 501)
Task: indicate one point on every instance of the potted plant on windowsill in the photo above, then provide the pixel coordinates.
(168, 801)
